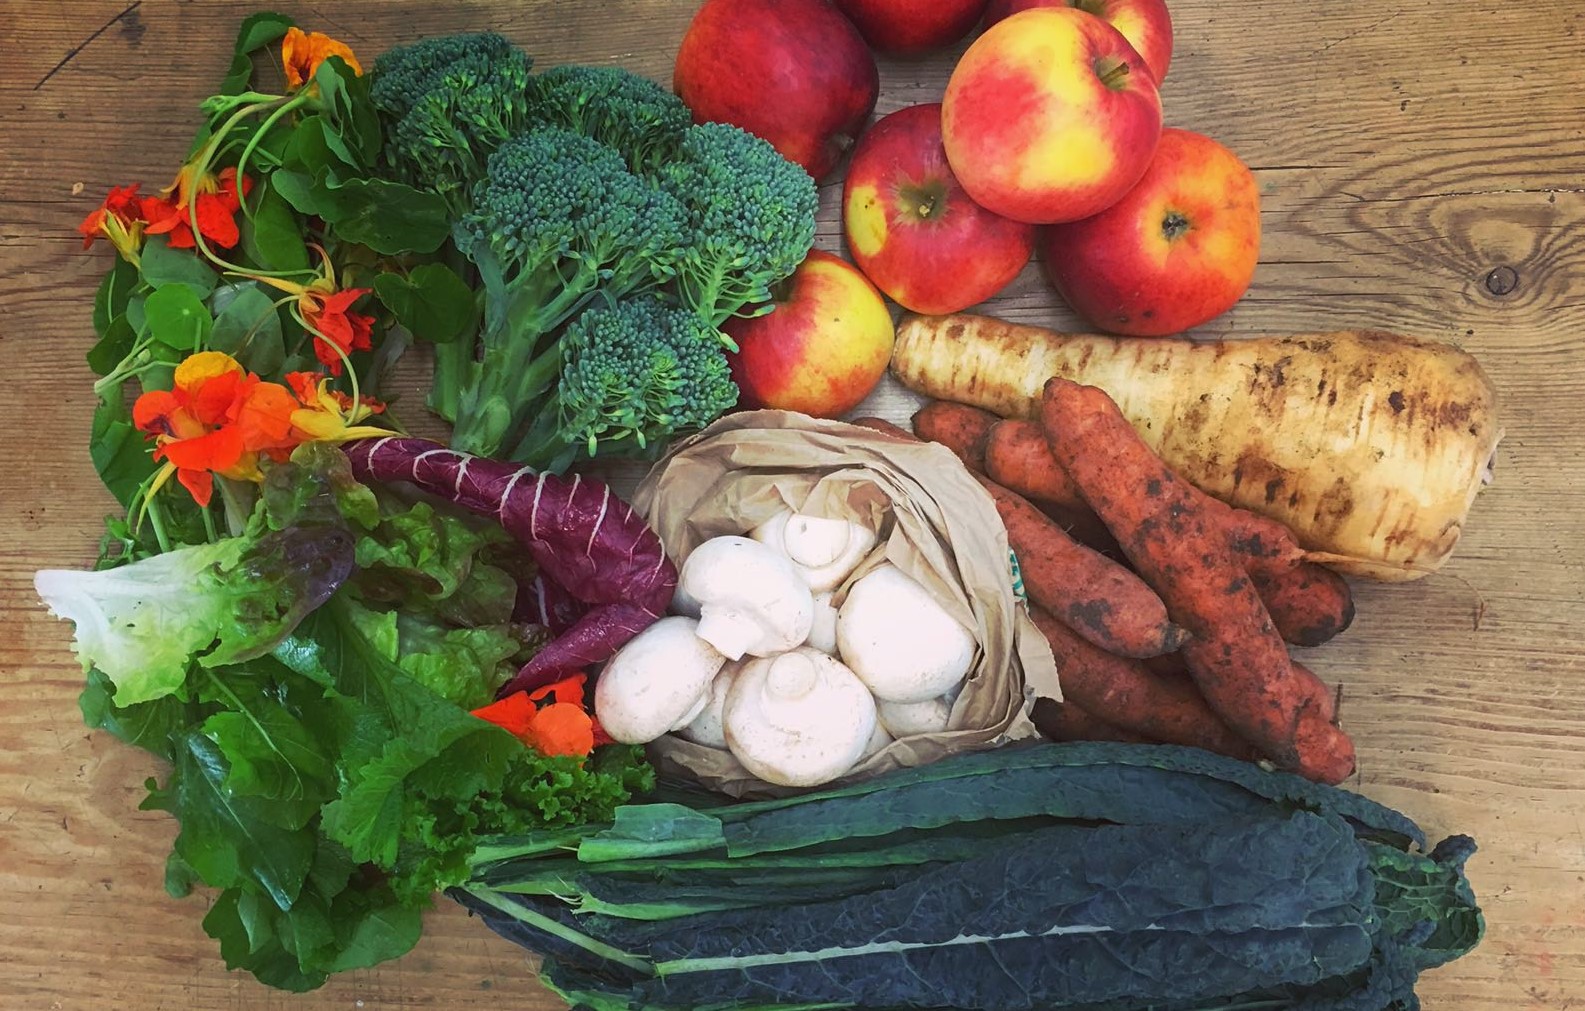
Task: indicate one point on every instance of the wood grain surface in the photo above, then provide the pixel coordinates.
(1422, 166)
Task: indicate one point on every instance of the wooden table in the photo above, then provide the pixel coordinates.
(1422, 164)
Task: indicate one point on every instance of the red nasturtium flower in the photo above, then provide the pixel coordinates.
(220, 419)
(302, 53)
(551, 720)
(214, 196)
(119, 219)
(331, 314)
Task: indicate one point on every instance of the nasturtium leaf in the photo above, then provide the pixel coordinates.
(119, 451)
(249, 329)
(115, 343)
(178, 318)
(137, 317)
(162, 265)
(431, 301)
(388, 217)
(304, 191)
(271, 235)
(110, 301)
(257, 31)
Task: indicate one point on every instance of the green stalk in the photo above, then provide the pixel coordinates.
(549, 926)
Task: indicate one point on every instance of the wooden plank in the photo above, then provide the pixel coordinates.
(1406, 151)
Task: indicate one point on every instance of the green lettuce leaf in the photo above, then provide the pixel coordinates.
(142, 624)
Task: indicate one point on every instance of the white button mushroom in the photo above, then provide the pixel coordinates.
(905, 719)
(899, 640)
(879, 738)
(706, 727)
(823, 633)
(748, 598)
(799, 719)
(825, 551)
(659, 681)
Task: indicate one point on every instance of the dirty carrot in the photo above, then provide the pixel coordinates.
(959, 427)
(1093, 595)
(1126, 694)
(1235, 656)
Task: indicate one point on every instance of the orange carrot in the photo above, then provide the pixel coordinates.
(959, 427)
(1068, 721)
(1093, 595)
(1017, 457)
(1124, 693)
(1235, 654)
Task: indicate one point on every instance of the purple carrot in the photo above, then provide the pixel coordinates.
(584, 539)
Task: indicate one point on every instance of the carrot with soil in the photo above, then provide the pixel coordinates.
(1017, 457)
(1093, 595)
(959, 427)
(1068, 721)
(1235, 656)
(1126, 694)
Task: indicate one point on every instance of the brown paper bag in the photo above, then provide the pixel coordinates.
(935, 523)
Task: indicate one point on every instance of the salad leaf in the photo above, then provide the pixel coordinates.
(143, 623)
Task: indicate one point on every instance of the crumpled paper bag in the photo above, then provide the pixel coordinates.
(935, 523)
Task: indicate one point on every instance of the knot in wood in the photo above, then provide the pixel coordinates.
(1502, 280)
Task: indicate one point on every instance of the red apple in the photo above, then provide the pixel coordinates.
(1050, 116)
(912, 27)
(795, 72)
(823, 346)
(912, 229)
(1179, 249)
(1144, 23)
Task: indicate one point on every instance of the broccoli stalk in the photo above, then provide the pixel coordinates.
(557, 218)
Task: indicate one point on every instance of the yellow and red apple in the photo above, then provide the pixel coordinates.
(1177, 251)
(913, 230)
(912, 27)
(794, 72)
(1050, 116)
(823, 346)
(1144, 23)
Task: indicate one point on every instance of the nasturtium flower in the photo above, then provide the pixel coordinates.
(331, 314)
(302, 53)
(119, 219)
(216, 202)
(221, 419)
(551, 720)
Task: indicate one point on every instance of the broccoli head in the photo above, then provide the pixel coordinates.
(632, 114)
(751, 218)
(448, 103)
(556, 219)
(633, 373)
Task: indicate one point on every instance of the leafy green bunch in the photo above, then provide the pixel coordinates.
(586, 191)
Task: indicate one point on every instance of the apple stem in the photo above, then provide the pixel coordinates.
(1113, 73)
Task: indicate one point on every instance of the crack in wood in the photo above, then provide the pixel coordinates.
(71, 54)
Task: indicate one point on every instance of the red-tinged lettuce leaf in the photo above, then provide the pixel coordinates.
(142, 624)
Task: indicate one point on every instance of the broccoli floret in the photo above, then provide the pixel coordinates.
(632, 114)
(448, 103)
(633, 374)
(557, 218)
(751, 218)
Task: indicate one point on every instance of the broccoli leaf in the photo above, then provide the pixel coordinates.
(143, 623)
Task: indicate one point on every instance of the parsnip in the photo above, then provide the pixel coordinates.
(1371, 446)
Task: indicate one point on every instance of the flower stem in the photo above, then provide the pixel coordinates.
(295, 102)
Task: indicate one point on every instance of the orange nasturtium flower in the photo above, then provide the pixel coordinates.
(302, 53)
(214, 196)
(119, 219)
(561, 726)
(220, 418)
